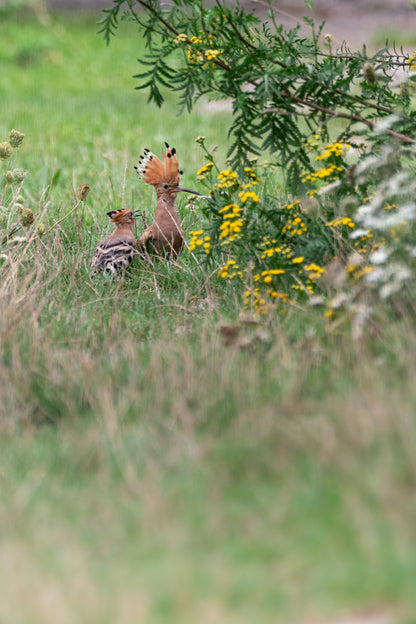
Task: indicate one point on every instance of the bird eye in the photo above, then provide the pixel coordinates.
(166, 186)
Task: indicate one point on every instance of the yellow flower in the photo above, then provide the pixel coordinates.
(227, 173)
(181, 38)
(342, 221)
(245, 195)
(229, 270)
(204, 171)
(412, 61)
(298, 260)
(314, 270)
(230, 229)
(212, 54)
(197, 241)
(234, 207)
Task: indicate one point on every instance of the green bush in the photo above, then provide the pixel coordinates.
(336, 125)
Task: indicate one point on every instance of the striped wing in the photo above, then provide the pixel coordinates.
(113, 256)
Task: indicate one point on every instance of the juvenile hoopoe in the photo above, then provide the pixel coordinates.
(165, 233)
(116, 251)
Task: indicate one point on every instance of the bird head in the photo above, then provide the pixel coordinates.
(163, 174)
(123, 216)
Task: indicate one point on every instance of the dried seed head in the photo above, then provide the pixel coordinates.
(26, 217)
(41, 229)
(6, 150)
(9, 177)
(369, 73)
(83, 191)
(19, 175)
(16, 138)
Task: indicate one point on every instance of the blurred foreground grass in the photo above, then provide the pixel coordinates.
(148, 471)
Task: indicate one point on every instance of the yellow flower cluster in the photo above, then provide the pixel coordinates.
(336, 149)
(271, 250)
(204, 171)
(196, 52)
(211, 54)
(199, 240)
(295, 227)
(268, 275)
(363, 243)
(255, 298)
(254, 179)
(258, 301)
(181, 38)
(229, 270)
(314, 142)
(226, 179)
(325, 172)
(245, 195)
(230, 229)
(341, 221)
(412, 61)
(331, 151)
(314, 271)
(234, 211)
(194, 56)
(292, 205)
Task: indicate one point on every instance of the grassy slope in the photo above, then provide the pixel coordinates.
(148, 472)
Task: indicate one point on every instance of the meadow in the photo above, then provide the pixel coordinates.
(152, 470)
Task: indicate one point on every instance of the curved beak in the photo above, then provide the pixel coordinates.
(185, 190)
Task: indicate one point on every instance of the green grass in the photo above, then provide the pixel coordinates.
(149, 472)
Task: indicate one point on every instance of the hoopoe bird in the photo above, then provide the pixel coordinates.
(165, 234)
(116, 251)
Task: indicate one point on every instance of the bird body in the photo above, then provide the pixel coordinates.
(116, 251)
(165, 234)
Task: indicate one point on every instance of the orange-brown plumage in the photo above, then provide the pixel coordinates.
(165, 234)
(116, 251)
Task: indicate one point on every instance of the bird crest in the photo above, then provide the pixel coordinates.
(121, 216)
(154, 170)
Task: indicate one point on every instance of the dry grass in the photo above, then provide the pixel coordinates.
(160, 459)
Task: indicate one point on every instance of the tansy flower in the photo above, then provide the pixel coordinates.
(212, 54)
(342, 221)
(181, 38)
(245, 195)
(412, 61)
(204, 171)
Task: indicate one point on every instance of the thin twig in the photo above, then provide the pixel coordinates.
(63, 218)
(333, 113)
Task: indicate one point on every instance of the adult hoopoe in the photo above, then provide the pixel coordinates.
(165, 233)
(116, 251)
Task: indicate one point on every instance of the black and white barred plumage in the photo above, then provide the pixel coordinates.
(114, 254)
